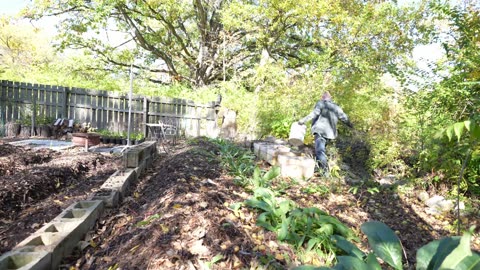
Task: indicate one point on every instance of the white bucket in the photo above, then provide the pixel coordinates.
(297, 134)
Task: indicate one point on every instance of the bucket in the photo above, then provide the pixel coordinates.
(297, 134)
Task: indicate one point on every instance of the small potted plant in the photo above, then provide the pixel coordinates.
(139, 138)
(103, 135)
(118, 138)
(108, 137)
(124, 138)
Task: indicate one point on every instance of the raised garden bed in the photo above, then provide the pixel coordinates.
(36, 184)
(82, 139)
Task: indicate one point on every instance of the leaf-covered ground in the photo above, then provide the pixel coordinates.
(178, 217)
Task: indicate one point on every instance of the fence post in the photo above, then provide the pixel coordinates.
(3, 99)
(145, 116)
(34, 107)
(65, 109)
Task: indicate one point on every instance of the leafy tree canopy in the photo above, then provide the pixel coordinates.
(204, 41)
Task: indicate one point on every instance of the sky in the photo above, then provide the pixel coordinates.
(11, 7)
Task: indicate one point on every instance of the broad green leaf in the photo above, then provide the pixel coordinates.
(458, 254)
(326, 229)
(214, 260)
(351, 263)
(348, 247)
(458, 129)
(384, 243)
(258, 204)
(340, 228)
(449, 132)
(262, 221)
(263, 192)
(468, 124)
(284, 207)
(311, 243)
(471, 262)
(283, 232)
(372, 262)
(445, 247)
(256, 173)
(293, 237)
(272, 173)
(236, 206)
(426, 253)
(314, 211)
(311, 267)
(475, 130)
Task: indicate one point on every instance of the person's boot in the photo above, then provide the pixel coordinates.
(323, 170)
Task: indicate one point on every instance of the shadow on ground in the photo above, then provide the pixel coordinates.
(383, 203)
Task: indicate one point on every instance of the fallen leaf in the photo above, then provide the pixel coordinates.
(93, 244)
(164, 228)
(198, 248)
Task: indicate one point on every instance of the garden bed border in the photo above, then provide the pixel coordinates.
(46, 247)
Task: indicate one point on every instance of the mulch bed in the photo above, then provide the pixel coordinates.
(37, 184)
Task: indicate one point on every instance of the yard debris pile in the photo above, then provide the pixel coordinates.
(37, 184)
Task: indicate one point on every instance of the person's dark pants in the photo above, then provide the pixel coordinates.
(320, 154)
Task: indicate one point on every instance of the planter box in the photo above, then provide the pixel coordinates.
(81, 139)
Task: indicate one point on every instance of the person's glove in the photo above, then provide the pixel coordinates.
(349, 124)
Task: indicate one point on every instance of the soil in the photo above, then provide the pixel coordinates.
(178, 215)
(37, 184)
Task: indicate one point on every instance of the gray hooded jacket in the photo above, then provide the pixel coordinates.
(325, 116)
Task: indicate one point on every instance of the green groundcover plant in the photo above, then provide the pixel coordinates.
(447, 253)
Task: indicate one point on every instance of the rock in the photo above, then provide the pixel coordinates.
(434, 200)
(353, 180)
(390, 180)
(445, 205)
(344, 167)
(385, 182)
(423, 196)
(432, 211)
(270, 139)
(461, 206)
(437, 205)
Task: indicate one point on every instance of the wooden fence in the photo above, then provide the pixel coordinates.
(103, 110)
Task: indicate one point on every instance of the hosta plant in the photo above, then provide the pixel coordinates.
(444, 254)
